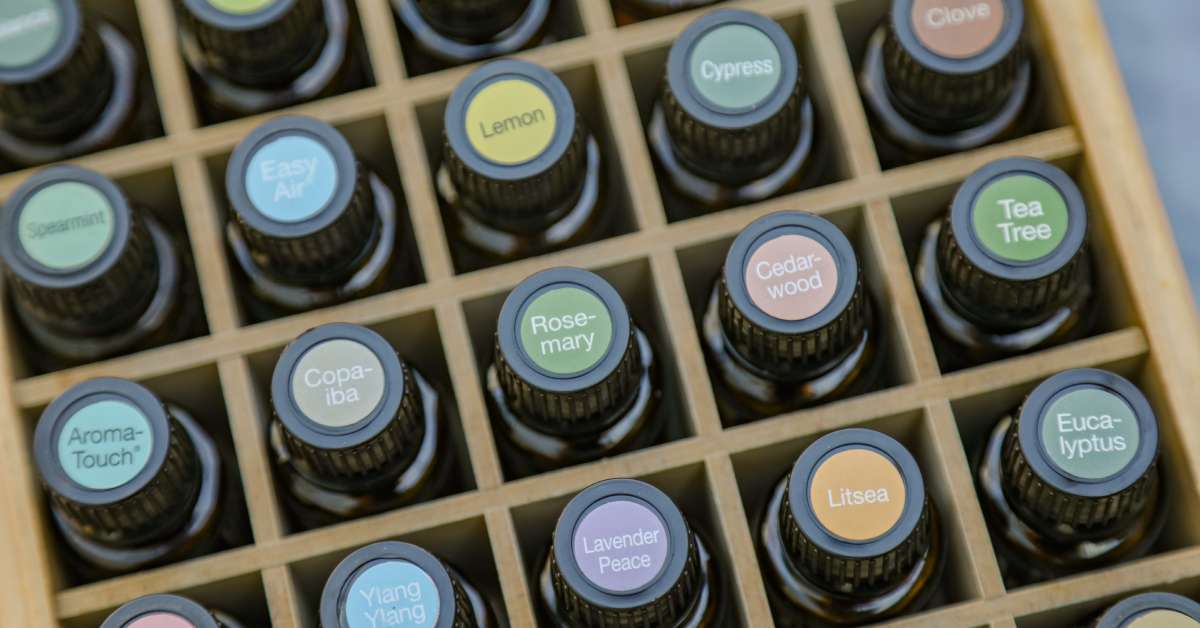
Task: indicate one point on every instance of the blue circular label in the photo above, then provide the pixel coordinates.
(292, 178)
(392, 593)
(105, 444)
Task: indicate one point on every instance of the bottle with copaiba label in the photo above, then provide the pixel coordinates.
(1008, 270)
(167, 611)
(942, 76)
(623, 554)
(734, 123)
(357, 430)
(133, 483)
(573, 378)
(312, 225)
(454, 32)
(91, 275)
(789, 323)
(1151, 610)
(1070, 480)
(251, 56)
(630, 11)
(391, 583)
(521, 172)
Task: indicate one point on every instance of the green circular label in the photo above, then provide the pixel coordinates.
(105, 444)
(28, 31)
(1090, 433)
(65, 226)
(566, 330)
(241, 7)
(735, 66)
(1020, 218)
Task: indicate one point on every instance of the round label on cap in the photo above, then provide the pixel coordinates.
(292, 178)
(566, 330)
(1020, 218)
(65, 226)
(392, 593)
(338, 383)
(28, 31)
(160, 620)
(1162, 618)
(621, 545)
(791, 277)
(105, 444)
(511, 121)
(735, 66)
(957, 29)
(857, 494)
(241, 7)
(1090, 433)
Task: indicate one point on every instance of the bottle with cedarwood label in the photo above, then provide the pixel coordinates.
(453, 32)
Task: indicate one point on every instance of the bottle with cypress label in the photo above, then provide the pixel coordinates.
(454, 32)
(167, 611)
(1151, 610)
(630, 11)
(1070, 481)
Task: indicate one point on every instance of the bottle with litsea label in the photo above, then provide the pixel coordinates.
(91, 275)
(789, 323)
(734, 123)
(133, 483)
(623, 554)
(521, 173)
(312, 225)
(573, 378)
(850, 535)
(251, 56)
(357, 430)
(630, 11)
(942, 76)
(391, 583)
(1070, 480)
(1151, 610)
(454, 32)
(167, 611)
(1008, 270)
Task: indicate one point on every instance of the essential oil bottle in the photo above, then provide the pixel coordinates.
(1007, 270)
(521, 173)
(734, 123)
(630, 11)
(90, 274)
(434, 593)
(942, 76)
(1070, 481)
(357, 430)
(454, 32)
(573, 378)
(789, 323)
(665, 575)
(1151, 610)
(251, 56)
(850, 535)
(311, 224)
(133, 482)
(167, 611)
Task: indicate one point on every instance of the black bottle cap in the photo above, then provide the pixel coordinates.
(514, 146)
(733, 95)
(1082, 453)
(116, 464)
(257, 42)
(1151, 610)
(855, 514)
(78, 256)
(1017, 243)
(471, 20)
(791, 299)
(431, 594)
(161, 610)
(350, 409)
(301, 198)
(566, 352)
(648, 577)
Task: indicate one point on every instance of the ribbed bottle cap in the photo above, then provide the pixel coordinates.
(399, 581)
(161, 611)
(350, 409)
(791, 299)
(1151, 610)
(1082, 453)
(116, 464)
(566, 351)
(623, 555)
(471, 20)
(257, 42)
(855, 515)
(952, 63)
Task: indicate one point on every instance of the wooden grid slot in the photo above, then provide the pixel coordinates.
(496, 527)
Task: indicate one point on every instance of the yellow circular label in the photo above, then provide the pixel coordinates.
(511, 121)
(241, 7)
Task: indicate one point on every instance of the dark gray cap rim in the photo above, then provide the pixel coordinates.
(1119, 614)
(161, 603)
(204, 11)
(1009, 37)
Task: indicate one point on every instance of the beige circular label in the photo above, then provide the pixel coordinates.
(511, 121)
(792, 277)
(1162, 618)
(957, 29)
(857, 494)
(338, 383)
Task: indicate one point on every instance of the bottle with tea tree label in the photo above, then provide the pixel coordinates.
(454, 32)
(167, 611)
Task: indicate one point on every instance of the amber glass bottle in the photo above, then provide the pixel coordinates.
(454, 32)
(167, 611)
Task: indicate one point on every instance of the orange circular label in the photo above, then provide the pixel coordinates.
(958, 29)
(857, 494)
(791, 277)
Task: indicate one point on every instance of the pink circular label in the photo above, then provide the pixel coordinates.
(791, 277)
(160, 620)
(621, 545)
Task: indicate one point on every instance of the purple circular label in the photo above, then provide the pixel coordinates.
(621, 545)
